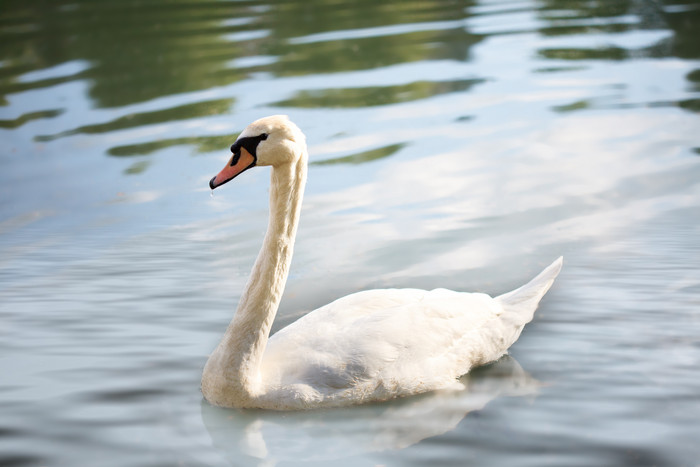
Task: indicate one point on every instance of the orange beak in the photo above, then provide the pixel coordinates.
(238, 164)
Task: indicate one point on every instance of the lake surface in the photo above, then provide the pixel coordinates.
(458, 144)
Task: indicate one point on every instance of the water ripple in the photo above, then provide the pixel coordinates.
(460, 144)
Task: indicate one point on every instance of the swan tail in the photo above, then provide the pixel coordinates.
(519, 305)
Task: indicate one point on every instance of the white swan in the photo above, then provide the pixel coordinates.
(368, 346)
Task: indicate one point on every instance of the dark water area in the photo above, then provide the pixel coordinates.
(457, 144)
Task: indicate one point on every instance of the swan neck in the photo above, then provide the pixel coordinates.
(239, 356)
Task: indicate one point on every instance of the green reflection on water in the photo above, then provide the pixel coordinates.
(137, 167)
(29, 117)
(690, 104)
(202, 144)
(605, 53)
(366, 156)
(131, 52)
(373, 52)
(363, 37)
(694, 78)
(182, 112)
(375, 95)
(137, 51)
(568, 9)
(578, 105)
(578, 17)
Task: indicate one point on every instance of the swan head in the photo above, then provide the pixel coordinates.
(273, 140)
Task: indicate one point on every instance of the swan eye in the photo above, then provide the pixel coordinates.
(263, 136)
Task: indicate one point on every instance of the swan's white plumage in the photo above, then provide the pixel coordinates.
(368, 346)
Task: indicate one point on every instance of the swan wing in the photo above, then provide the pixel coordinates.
(379, 344)
(395, 341)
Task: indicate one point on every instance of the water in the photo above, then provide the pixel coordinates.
(460, 144)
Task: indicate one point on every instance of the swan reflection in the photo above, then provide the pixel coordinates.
(333, 433)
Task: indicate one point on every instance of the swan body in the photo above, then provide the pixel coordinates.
(368, 346)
